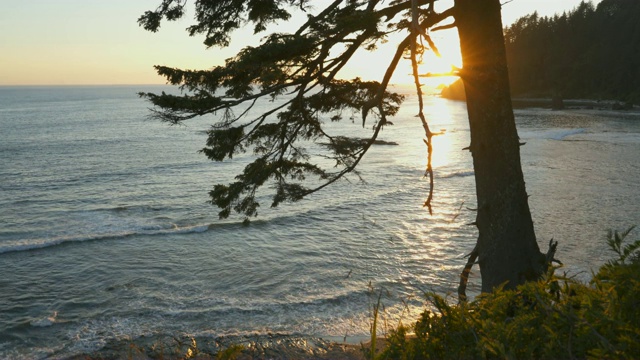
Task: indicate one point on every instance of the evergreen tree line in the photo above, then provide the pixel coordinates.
(590, 52)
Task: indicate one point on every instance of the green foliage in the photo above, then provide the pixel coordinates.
(297, 71)
(615, 240)
(554, 318)
(217, 19)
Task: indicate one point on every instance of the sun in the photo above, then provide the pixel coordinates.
(436, 69)
(371, 65)
(437, 65)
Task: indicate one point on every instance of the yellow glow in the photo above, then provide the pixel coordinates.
(430, 70)
(372, 65)
(432, 67)
(449, 48)
(437, 65)
(441, 149)
(98, 43)
(439, 112)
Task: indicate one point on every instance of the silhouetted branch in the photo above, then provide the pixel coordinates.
(551, 253)
(444, 27)
(464, 276)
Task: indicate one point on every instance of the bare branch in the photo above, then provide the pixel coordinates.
(464, 276)
(444, 27)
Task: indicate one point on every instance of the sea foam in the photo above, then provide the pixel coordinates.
(38, 243)
(45, 321)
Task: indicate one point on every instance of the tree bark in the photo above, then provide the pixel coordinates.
(507, 248)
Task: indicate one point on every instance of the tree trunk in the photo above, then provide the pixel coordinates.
(507, 249)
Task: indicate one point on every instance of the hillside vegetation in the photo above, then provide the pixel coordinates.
(590, 52)
(555, 318)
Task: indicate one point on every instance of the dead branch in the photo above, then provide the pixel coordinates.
(464, 276)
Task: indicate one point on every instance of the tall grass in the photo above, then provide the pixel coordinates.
(370, 352)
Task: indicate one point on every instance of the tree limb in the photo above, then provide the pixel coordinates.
(464, 276)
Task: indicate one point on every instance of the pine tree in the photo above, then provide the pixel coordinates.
(304, 65)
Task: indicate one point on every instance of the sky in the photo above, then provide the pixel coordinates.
(98, 42)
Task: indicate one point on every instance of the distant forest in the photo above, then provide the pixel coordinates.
(590, 52)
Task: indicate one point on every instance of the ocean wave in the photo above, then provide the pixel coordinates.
(39, 243)
(133, 208)
(551, 134)
(456, 174)
(228, 319)
(45, 321)
(562, 134)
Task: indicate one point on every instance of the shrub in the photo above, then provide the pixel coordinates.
(554, 318)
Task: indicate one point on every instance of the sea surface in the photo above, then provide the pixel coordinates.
(106, 232)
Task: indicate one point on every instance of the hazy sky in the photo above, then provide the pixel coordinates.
(99, 41)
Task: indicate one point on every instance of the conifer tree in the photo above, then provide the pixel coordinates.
(588, 52)
(305, 64)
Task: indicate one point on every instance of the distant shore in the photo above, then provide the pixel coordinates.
(568, 104)
(548, 103)
(455, 91)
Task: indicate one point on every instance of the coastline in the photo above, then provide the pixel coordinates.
(567, 104)
(258, 346)
(572, 104)
(455, 91)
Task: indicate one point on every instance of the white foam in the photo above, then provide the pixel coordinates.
(38, 243)
(457, 174)
(561, 134)
(46, 321)
(551, 134)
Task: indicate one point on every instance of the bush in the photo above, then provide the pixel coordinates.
(554, 318)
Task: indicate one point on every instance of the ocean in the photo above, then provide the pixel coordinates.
(106, 232)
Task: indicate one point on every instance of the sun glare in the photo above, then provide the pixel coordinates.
(442, 148)
(372, 65)
(434, 70)
(439, 115)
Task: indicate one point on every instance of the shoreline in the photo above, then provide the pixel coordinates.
(258, 346)
(455, 91)
(572, 104)
(567, 104)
